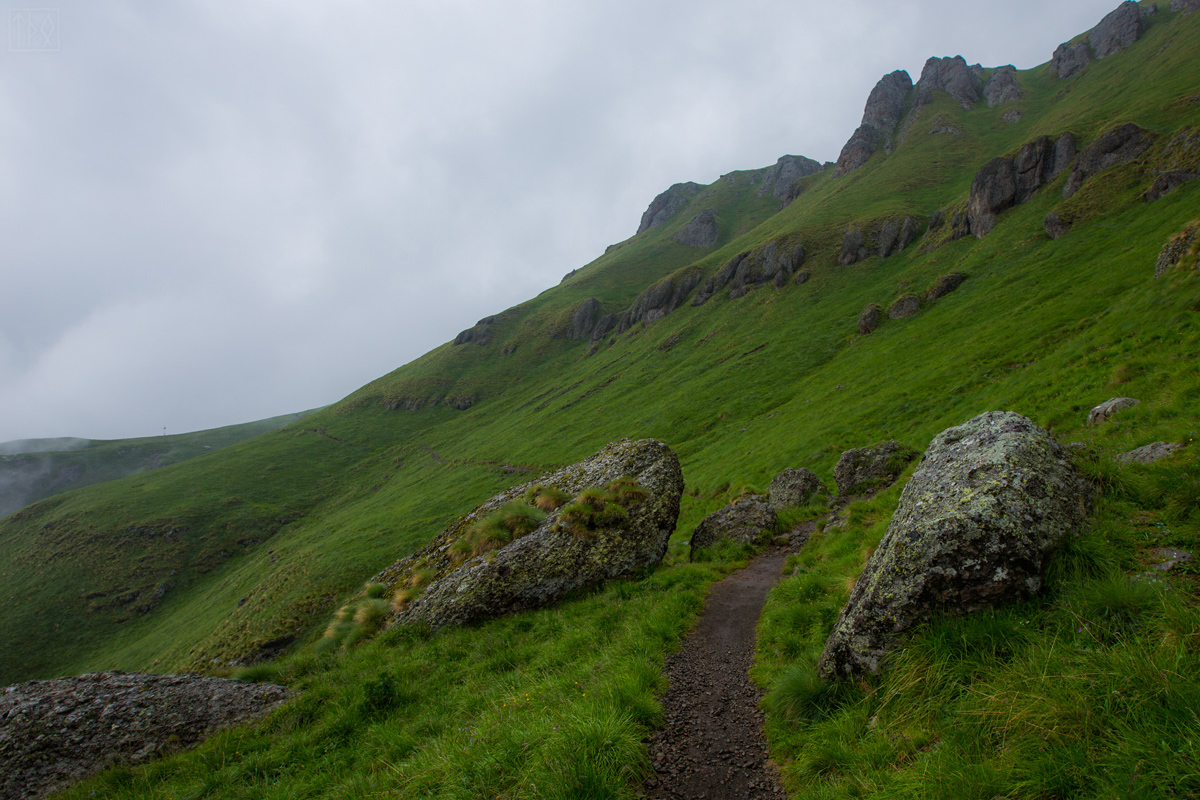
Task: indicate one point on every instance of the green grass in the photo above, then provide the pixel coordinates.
(214, 563)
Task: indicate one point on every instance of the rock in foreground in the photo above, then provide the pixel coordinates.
(447, 584)
(54, 733)
(990, 500)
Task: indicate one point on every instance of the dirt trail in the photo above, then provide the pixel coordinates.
(712, 744)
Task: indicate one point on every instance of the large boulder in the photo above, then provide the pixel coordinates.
(868, 320)
(1176, 249)
(744, 520)
(1102, 412)
(854, 247)
(950, 75)
(1008, 181)
(584, 320)
(989, 501)
(1119, 29)
(794, 487)
(894, 235)
(1148, 454)
(54, 733)
(546, 564)
(668, 204)
(905, 306)
(944, 286)
(779, 179)
(884, 106)
(1114, 147)
(1002, 87)
(865, 469)
(700, 231)
(1055, 225)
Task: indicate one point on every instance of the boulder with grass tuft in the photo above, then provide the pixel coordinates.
(867, 469)
(794, 487)
(622, 505)
(746, 520)
(989, 501)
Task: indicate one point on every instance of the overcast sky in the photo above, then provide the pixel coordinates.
(217, 212)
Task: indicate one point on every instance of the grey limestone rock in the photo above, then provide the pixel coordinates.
(1172, 557)
(794, 487)
(1069, 59)
(944, 286)
(894, 235)
(660, 299)
(1148, 454)
(720, 280)
(1114, 147)
(1002, 87)
(989, 501)
(868, 320)
(701, 230)
(779, 179)
(1186, 6)
(1168, 182)
(868, 468)
(905, 306)
(542, 567)
(950, 75)
(854, 247)
(1005, 182)
(1012, 116)
(802, 278)
(668, 204)
(1119, 29)
(57, 732)
(744, 520)
(477, 335)
(583, 321)
(1174, 250)
(1102, 412)
(884, 106)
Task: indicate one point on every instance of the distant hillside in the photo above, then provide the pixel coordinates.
(33, 469)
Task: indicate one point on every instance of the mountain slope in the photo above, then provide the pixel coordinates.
(240, 553)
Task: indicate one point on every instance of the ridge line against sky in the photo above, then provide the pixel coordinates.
(215, 214)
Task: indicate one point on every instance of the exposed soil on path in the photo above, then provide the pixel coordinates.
(712, 744)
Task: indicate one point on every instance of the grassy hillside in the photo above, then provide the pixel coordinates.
(242, 553)
(35, 469)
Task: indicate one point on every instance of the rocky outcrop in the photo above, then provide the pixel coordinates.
(561, 555)
(1186, 6)
(1168, 182)
(894, 235)
(1174, 251)
(668, 204)
(950, 75)
(868, 320)
(884, 107)
(854, 247)
(1148, 454)
(904, 307)
(774, 262)
(480, 334)
(989, 501)
(701, 230)
(1002, 87)
(660, 299)
(780, 179)
(1055, 225)
(583, 321)
(1008, 181)
(1012, 116)
(1069, 59)
(1119, 29)
(57, 732)
(958, 226)
(1114, 147)
(1105, 410)
(869, 468)
(745, 520)
(794, 487)
(944, 286)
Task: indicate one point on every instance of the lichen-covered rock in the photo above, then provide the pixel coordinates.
(868, 320)
(668, 204)
(854, 247)
(1102, 412)
(700, 231)
(545, 565)
(1002, 87)
(57, 732)
(1119, 29)
(944, 286)
(1114, 147)
(884, 106)
(1148, 454)
(1069, 59)
(868, 468)
(794, 487)
(1174, 250)
(1055, 225)
(990, 499)
(904, 307)
(744, 520)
